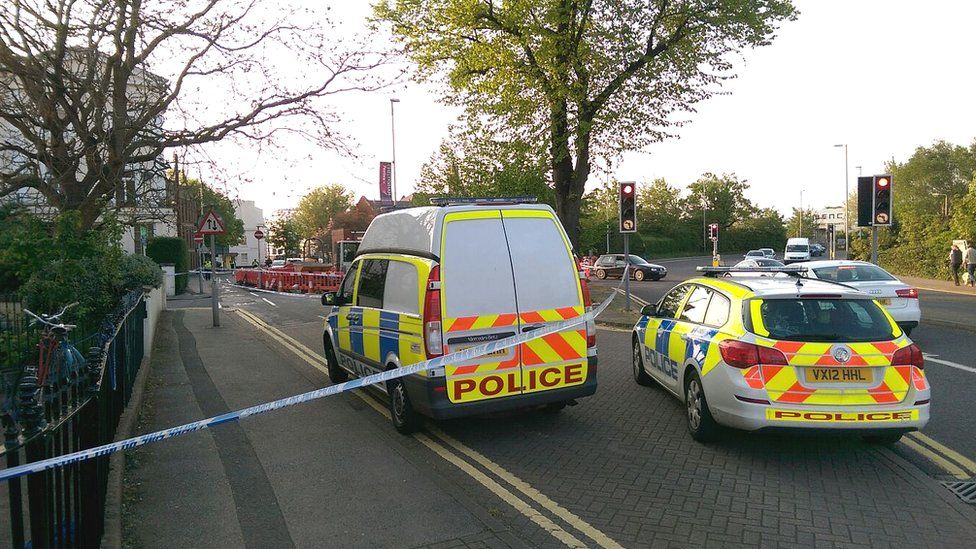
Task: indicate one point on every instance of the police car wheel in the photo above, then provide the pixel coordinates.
(701, 424)
(640, 375)
(336, 373)
(601, 274)
(884, 440)
(405, 419)
(638, 275)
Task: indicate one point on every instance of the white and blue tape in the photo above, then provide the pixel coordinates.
(460, 356)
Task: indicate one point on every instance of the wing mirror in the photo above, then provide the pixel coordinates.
(329, 299)
(649, 310)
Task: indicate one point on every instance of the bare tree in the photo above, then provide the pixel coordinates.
(93, 91)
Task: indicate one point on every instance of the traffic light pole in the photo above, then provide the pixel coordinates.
(627, 271)
(874, 244)
(214, 298)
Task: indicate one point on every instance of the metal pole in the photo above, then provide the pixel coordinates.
(704, 228)
(874, 245)
(214, 299)
(393, 136)
(847, 201)
(200, 266)
(799, 232)
(627, 271)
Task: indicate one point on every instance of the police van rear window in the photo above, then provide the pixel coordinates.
(545, 273)
(819, 320)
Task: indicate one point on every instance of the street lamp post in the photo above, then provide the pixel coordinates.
(704, 203)
(393, 136)
(799, 232)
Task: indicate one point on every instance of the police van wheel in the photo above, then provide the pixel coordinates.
(601, 274)
(640, 376)
(884, 440)
(638, 275)
(405, 418)
(701, 424)
(336, 373)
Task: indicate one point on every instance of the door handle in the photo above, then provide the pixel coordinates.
(352, 316)
(685, 337)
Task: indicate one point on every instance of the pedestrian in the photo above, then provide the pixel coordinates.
(955, 262)
(971, 264)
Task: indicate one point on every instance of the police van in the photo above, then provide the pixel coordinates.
(430, 281)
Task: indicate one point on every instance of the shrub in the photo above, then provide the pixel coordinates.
(169, 249)
(94, 282)
(139, 271)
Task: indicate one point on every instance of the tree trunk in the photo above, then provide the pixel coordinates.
(563, 174)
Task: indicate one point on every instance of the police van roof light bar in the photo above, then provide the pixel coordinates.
(795, 270)
(451, 201)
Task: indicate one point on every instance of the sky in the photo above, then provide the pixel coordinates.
(883, 77)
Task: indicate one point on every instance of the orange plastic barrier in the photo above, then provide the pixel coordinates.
(289, 281)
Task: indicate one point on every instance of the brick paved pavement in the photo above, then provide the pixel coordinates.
(623, 461)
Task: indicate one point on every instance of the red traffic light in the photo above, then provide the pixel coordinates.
(882, 182)
(627, 189)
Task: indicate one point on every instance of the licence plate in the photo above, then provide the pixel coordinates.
(463, 346)
(838, 375)
(885, 301)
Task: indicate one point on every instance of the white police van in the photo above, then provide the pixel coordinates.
(429, 281)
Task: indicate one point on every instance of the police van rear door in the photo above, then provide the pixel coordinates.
(478, 304)
(548, 290)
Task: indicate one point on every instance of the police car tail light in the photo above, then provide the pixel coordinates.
(910, 293)
(433, 338)
(740, 354)
(588, 304)
(909, 356)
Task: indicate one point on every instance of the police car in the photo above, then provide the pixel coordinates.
(430, 281)
(764, 353)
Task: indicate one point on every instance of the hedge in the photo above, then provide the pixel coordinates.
(172, 250)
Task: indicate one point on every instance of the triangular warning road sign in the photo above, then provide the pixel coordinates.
(211, 224)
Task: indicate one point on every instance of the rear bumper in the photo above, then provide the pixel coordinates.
(429, 397)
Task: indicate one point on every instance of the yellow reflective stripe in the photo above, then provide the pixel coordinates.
(730, 288)
(757, 321)
(714, 354)
(895, 329)
(527, 213)
(473, 214)
(371, 334)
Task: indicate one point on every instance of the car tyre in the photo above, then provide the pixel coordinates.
(336, 373)
(601, 274)
(887, 439)
(405, 419)
(701, 424)
(640, 375)
(638, 275)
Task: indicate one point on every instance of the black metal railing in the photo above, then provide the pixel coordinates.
(77, 409)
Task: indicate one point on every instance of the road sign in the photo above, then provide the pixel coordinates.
(258, 234)
(211, 224)
(198, 238)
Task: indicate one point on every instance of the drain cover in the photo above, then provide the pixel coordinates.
(965, 489)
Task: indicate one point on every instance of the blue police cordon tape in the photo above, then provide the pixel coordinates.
(460, 356)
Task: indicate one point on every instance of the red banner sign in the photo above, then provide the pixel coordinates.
(386, 181)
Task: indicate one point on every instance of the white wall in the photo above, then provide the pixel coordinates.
(155, 305)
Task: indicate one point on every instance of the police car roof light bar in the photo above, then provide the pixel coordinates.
(795, 270)
(495, 200)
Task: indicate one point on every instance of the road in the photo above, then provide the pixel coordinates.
(619, 469)
(953, 423)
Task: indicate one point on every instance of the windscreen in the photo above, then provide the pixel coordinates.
(853, 273)
(798, 248)
(637, 260)
(822, 320)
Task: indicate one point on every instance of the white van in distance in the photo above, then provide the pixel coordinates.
(797, 249)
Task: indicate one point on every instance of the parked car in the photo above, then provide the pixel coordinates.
(612, 265)
(755, 262)
(768, 252)
(817, 249)
(754, 254)
(797, 249)
(898, 298)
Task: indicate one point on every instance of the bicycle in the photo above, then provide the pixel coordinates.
(58, 360)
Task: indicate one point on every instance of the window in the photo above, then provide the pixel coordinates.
(545, 274)
(668, 306)
(825, 320)
(718, 311)
(696, 305)
(401, 291)
(372, 279)
(476, 272)
(853, 273)
(345, 290)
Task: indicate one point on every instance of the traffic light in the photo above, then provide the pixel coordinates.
(628, 207)
(865, 200)
(713, 231)
(882, 200)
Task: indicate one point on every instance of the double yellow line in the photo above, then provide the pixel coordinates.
(946, 458)
(442, 444)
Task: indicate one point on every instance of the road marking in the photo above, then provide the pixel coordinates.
(268, 301)
(966, 463)
(318, 362)
(957, 292)
(946, 465)
(611, 328)
(576, 522)
(254, 294)
(640, 301)
(948, 363)
(320, 316)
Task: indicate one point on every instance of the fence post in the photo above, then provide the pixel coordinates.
(32, 418)
(91, 512)
(11, 435)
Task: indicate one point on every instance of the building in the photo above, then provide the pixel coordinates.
(250, 249)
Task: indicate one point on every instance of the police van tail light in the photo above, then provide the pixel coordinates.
(433, 337)
(910, 293)
(588, 305)
(909, 356)
(740, 354)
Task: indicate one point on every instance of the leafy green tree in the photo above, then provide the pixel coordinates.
(724, 196)
(806, 229)
(584, 78)
(659, 207)
(931, 173)
(283, 234)
(221, 204)
(320, 206)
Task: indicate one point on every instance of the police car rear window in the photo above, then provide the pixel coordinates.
(822, 320)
